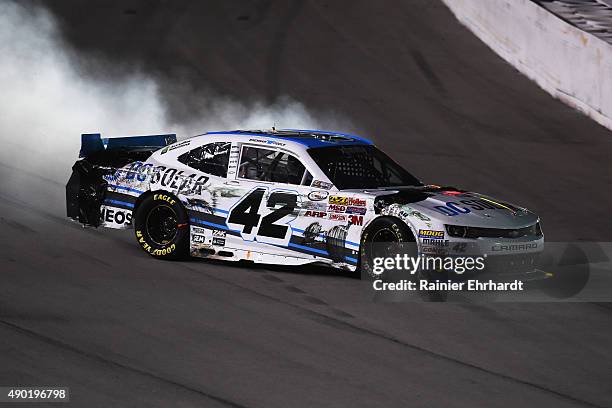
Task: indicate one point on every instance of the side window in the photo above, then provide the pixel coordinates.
(210, 159)
(307, 180)
(270, 165)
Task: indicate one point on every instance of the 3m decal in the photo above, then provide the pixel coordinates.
(356, 219)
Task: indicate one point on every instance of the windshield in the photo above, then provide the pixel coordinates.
(363, 166)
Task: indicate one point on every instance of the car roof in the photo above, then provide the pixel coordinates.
(305, 137)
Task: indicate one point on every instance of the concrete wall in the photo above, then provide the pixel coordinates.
(569, 63)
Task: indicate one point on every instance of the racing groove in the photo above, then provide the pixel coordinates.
(87, 309)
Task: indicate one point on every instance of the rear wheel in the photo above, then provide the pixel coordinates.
(162, 226)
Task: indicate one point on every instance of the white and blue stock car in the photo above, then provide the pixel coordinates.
(288, 197)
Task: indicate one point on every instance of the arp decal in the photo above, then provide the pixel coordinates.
(431, 234)
(315, 214)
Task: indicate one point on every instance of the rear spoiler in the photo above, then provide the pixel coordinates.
(93, 142)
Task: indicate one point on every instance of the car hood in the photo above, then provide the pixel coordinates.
(457, 207)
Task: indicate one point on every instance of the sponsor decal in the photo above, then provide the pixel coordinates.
(165, 198)
(198, 238)
(322, 184)
(175, 146)
(352, 201)
(356, 210)
(314, 206)
(219, 233)
(452, 209)
(317, 195)
(187, 184)
(336, 208)
(337, 217)
(119, 217)
(198, 230)
(414, 213)
(514, 247)
(218, 241)
(356, 202)
(315, 214)
(431, 234)
(338, 200)
(268, 142)
(356, 219)
(436, 242)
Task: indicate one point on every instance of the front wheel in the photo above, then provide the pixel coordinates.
(162, 226)
(384, 238)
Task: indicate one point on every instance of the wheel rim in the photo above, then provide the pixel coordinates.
(383, 243)
(162, 225)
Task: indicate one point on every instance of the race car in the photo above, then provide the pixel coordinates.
(290, 197)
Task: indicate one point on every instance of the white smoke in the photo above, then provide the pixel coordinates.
(47, 102)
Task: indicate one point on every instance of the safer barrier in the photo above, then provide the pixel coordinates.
(571, 64)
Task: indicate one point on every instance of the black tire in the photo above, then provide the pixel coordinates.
(381, 231)
(161, 225)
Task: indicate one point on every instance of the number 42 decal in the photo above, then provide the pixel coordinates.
(264, 224)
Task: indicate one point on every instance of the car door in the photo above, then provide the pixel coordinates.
(274, 182)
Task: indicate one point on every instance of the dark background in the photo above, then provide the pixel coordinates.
(88, 309)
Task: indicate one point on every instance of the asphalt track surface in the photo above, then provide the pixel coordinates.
(88, 309)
